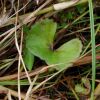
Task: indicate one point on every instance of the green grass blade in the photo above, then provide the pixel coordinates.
(93, 47)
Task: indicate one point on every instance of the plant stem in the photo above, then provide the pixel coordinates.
(93, 47)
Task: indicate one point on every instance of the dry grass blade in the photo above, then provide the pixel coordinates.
(13, 93)
(9, 95)
(30, 88)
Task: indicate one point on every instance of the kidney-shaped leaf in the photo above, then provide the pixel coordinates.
(40, 38)
(66, 54)
(40, 43)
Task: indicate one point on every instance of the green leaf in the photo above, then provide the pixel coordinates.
(40, 43)
(27, 55)
(80, 89)
(84, 87)
(28, 58)
(66, 54)
(40, 38)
